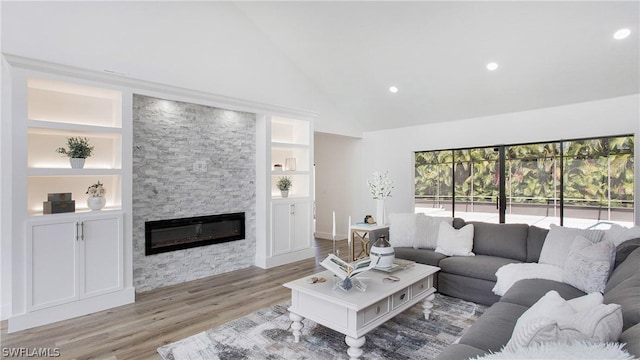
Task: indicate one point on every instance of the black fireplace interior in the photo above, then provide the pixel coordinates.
(175, 234)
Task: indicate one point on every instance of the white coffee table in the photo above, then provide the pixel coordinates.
(355, 313)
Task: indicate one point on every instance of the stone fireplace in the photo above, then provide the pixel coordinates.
(191, 161)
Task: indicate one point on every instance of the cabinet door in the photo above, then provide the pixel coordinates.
(301, 214)
(102, 255)
(281, 228)
(51, 263)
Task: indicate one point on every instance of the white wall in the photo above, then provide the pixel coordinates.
(206, 46)
(393, 149)
(5, 193)
(338, 162)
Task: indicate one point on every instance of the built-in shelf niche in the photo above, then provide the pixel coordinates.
(279, 155)
(56, 101)
(299, 188)
(289, 131)
(77, 185)
(43, 143)
(56, 111)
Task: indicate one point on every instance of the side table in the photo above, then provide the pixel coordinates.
(364, 233)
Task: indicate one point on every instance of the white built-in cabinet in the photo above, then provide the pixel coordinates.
(284, 224)
(73, 258)
(68, 264)
(291, 226)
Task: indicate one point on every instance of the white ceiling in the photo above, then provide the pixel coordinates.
(549, 54)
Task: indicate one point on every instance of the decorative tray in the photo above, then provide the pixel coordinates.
(398, 264)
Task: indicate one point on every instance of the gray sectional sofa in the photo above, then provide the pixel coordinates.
(473, 278)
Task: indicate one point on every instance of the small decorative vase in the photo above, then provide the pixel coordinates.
(382, 253)
(76, 163)
(380, 213)
(96, 203)
(284, 193)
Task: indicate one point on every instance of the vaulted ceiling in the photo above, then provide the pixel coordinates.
(435, 53)
(339, 58)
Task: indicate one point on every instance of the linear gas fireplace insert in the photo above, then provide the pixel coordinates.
(175, 234)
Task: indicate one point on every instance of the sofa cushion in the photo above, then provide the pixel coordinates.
(459, 352)
(626, 294)
(467, 288)
(493, 329)
(422, 256)
(479, 267)
(558, 243)
(503, 240)
(625, 270)
(528, 292)
(458, 223)
(624, 250)
(535, 241)
(631, 337)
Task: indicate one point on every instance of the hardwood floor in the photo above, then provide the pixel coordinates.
(168, 314)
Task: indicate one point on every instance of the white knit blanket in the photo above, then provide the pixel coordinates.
(557, 351)
(511, 273)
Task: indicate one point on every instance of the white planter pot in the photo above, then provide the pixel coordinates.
(96, 203)
(76, 163)
(284, 193)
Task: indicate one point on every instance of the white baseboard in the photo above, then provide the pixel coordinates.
(5, 311)
(71, 310)
(327, 236)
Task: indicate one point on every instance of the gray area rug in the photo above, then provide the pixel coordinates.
(266, 334)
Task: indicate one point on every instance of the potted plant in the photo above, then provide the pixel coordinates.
(96, 200)
(78, 149)
(284, 184)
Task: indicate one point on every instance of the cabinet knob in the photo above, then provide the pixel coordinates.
(378, 310)
(403, 296)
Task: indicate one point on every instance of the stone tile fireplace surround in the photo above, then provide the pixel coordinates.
(191, 160)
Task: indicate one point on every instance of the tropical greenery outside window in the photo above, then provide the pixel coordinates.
(575, 183)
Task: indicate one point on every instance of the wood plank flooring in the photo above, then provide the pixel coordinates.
(168, 314)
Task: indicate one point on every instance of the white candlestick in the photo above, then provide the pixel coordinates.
(333, 232)
(349, 231)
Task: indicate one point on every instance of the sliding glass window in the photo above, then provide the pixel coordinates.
(577, 183)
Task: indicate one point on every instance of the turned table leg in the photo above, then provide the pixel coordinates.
(355, 347)
(427, 304)
(296, 326)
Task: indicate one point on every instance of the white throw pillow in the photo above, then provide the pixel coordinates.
(554, 319)
(402, 229)
(618, 234)
(550, 306)
(602, 323)
(452, 242)
(558, 243)
(421, 229)
(586, 302)
(429, 237)
(588, 264)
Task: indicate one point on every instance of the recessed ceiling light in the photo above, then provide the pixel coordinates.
(622, 34)
(393, 89)
(492, 66)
